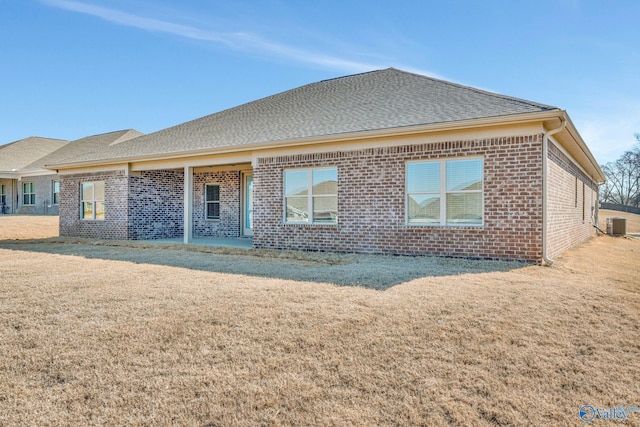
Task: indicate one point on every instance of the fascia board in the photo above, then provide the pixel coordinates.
(409, 130)
(39, 172)
(583, 147)
(582, 150)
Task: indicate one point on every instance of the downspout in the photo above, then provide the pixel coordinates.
(545, 179)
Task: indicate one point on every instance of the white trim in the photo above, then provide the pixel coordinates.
(53, 192)
(188, 205)
(27, 174)
(245, 167)
(545, 190)
(94, 169)
(93, 201)
(243, 205)
(443, 193)
(309, 195)
(33, 192)
(341, 137)
(206, 210)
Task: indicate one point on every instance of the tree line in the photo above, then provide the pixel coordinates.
(623, 178)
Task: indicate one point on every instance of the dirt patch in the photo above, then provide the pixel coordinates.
(117, 339)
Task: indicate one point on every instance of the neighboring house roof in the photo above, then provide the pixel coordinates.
(16, 155)
(83, 146)
(373, 101)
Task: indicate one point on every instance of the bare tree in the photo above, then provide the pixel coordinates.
(623, 178)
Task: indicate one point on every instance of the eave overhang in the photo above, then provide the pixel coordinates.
(548, 118)
(573, 143)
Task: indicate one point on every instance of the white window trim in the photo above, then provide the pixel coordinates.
(93, 201)
(33, 189)
(207, 202)
(443, 194)
(53, 193)
(309, 196)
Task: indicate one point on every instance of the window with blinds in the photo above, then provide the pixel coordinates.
(445, 192)
(212, 201)
(311, 196)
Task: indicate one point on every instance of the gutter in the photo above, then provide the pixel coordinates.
(545, 179)
(513, 119)
(585, 150)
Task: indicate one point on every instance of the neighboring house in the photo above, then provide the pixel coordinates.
(380, 162)
(32, 189)
(32, 193)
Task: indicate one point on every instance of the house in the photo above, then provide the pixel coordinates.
(381, 162)
(34, 192)
(27, 186)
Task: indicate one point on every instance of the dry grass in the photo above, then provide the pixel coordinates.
(633, 220)
(110, 335)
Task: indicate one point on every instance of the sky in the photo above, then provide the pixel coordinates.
(74, 68)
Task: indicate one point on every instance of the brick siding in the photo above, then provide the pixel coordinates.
(571, 214)
(156, 205)
(371, 202)
(229, 223)
(150, 205)
(114, 225)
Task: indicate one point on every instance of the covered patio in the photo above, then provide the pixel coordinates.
(229, 242)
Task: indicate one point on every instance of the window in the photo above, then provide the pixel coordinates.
(92, 200)
(311, 196)
(28, 193)
(212, 201)
(583, 202)
(445, 192)
(3, 194)
(56, 192)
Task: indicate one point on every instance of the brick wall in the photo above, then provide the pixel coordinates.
(371, 202)
(115, 224)
(572, 203)
(155, 205)
(43, 186)
(229, 223)
(150, 205)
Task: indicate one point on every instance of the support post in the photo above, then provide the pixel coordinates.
(188, 204)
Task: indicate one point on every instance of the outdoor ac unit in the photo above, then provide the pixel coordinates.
(616, 226)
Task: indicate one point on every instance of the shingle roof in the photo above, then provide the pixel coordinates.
(16, 155)
(376, 100)
(83, 146)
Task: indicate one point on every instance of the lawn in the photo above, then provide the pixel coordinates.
(109, 333)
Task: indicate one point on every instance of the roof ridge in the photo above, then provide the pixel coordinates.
(104, 133)
(46, 137)
(36, 137)
(476, 90)
(369, 101)
(353, 75)
(122, 138)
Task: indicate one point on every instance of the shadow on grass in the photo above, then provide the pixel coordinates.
(370, 271)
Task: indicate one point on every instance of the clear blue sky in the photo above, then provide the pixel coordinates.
(72, 68)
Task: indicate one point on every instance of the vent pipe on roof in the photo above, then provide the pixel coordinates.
(545, 179)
